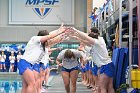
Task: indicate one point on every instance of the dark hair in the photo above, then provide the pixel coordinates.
(95, 30)
(69, 54)
(93, 35)
(43, 33)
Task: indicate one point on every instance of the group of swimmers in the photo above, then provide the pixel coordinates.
(92, 54)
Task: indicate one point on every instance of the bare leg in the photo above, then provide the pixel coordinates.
(82, 76)
(47, 74)
(29, 78)
(4, 66)
(95, 84)
(103, 82)
(110, 86)
(0, 66)
(66, 79)
(86, 78)
(12, 67)
(37, 79)
(73, 78)
(42, 74)
(90, 79)
(24, 86)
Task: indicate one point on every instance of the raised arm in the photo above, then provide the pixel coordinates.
(83, 36)
(82, 61)
(56, 40)
(58, 62)
(50, 50)
(81, 40)
(53, 34)
(53, 49)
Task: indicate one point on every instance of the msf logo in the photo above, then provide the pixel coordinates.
(42, 7)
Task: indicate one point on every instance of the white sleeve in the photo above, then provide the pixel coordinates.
(9, 57)
(14, 57)
(99, 41)
(87, 48)
(77, 53)
(17, 57)
(61, 54)
(5, 56)
(35, 39)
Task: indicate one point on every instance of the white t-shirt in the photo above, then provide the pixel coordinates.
(45, 58)
(88, 53)
(12, 59)
(18, 57)
(69, 63)
(99, 52)
(83, 53)
(3, 57)
(34, 50)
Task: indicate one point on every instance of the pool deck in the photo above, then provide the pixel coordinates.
(55, 81)
(58, 86)
(9, 76)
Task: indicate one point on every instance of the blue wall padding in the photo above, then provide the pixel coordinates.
(115, 58)
(125, 65)
(135, 56)
(120, 67)
(120, 59)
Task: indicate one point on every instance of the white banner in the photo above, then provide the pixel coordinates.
(50, 12)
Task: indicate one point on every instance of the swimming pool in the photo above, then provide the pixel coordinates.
(10, 86)
(10, 82)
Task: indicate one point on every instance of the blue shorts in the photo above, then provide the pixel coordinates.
(37, 67)
(83, 70)
(44, 66)
(69, 70)
(87, 66)
(23, 65)
(95, 70)
(12, 63)
(90, 65)
(108, 69)
(2, 63)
